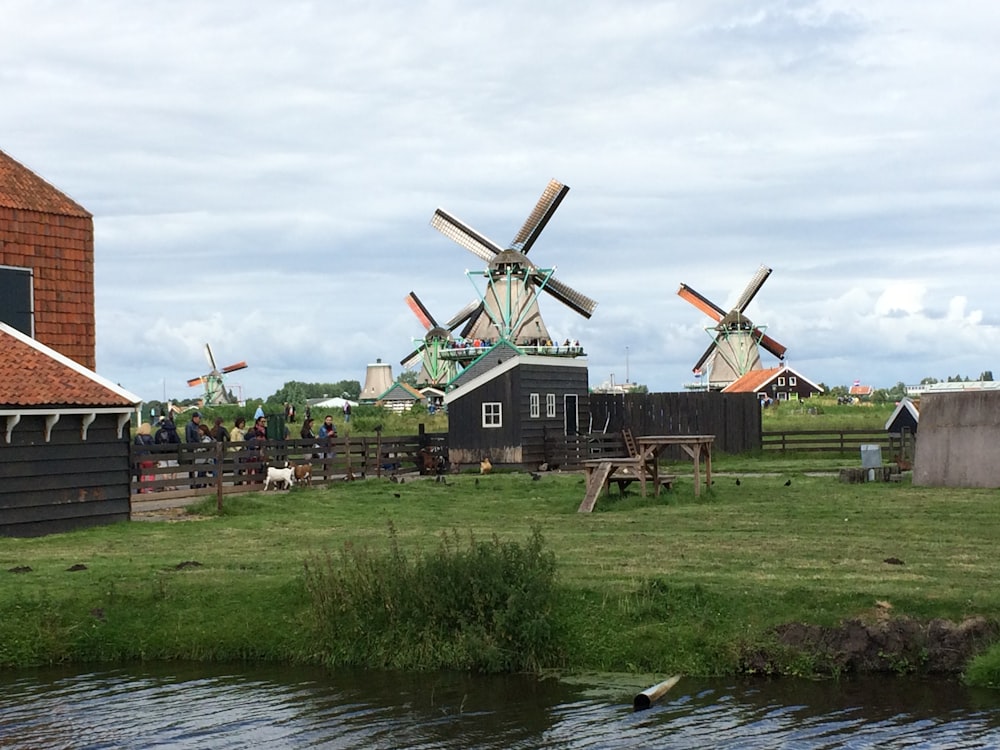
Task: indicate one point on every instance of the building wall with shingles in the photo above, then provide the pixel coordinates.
(46, 231)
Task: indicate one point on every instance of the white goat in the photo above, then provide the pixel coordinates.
(285, 477)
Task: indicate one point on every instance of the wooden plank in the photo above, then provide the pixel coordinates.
(595, 486)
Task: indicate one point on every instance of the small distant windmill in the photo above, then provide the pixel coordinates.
(509, 306)
(215, 388)
(431, 353)
(736, 341)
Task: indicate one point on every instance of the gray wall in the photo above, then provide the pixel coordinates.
(959, 443)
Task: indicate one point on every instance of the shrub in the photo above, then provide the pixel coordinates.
(481, 606)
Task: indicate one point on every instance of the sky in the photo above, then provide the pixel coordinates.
(262, 176)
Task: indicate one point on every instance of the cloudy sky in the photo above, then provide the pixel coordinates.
(262, 175)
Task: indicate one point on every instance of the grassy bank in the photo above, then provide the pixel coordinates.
(676, 584)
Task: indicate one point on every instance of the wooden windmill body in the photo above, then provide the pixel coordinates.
(511, 284)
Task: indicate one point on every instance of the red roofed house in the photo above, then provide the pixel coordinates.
(64, 444)
(778, 383)
(46, 263)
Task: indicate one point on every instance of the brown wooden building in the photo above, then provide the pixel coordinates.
(64, 441)
(505, 410)
(776, 383)
(46, 263)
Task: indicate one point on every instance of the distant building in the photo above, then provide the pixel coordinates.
(46, 263)
(400, 397)
(777, 383)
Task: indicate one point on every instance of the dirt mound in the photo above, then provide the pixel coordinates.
(896, 645)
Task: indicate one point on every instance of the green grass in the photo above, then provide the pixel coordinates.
(675, 583)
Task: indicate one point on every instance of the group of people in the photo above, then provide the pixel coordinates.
(239, 437)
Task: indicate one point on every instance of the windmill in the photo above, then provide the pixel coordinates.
(509, 306)
(215, 390)
(736, 341)
(433, 350)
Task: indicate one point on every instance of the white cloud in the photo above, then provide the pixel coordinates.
(262, 175)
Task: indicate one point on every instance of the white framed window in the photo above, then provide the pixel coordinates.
(781, 381)
(792, 380)
(533, 402)
(782, 396)
(492, 414)
(550, 404)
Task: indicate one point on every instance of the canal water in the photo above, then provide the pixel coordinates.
(198, 706)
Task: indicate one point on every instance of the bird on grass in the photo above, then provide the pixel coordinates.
(738, 482)
(477, 481)
(395, 494)
(788, 483)
(535, 477)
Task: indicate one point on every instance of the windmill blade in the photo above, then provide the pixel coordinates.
(210, 358)
(752, 288)
(235, 367)
(463, 315)
(423, 315)
(778, 350)
(196, 381)
(552, 196)
(411, 359)
(704, 357)
(568, 296)
(464, 235)
(704, 304)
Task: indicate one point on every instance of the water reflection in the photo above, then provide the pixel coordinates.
(197, 706)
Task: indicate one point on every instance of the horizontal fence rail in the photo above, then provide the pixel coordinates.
(826, 441)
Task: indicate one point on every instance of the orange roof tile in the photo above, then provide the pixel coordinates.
(33, 375)
(22, 189)
(752, 380)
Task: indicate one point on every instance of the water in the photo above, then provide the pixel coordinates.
(197, 706)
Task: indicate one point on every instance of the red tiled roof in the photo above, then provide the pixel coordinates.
(862, 390)
(753, 380)
(21, 188)
(32, 375)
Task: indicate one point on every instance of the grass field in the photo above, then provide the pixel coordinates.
(675, 583)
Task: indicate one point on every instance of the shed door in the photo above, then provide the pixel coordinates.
(15, 299)
(571, 418)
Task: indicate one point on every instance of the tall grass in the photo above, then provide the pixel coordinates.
(481, 606)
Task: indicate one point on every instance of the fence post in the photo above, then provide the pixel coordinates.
(219, 456)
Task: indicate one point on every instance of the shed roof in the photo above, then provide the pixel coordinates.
(21, 188)
(904, 404)
(33, 375)
(400, 391)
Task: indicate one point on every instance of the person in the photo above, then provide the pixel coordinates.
(347, 412)
(192, 432)
(219, 433)
(306, 433)
(166, 434)
(328, 432)
(255, 442)
(239, 428)
(144, 437)
(236, 437)
(259, 412)
(204, 437)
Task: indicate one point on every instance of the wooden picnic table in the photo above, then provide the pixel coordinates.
(696, 446)
(644, 466)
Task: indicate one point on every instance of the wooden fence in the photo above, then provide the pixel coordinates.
(829, 441)
(168, 475)
(734, 418)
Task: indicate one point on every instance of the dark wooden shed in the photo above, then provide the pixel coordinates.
(504, 411)
(64, 441)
